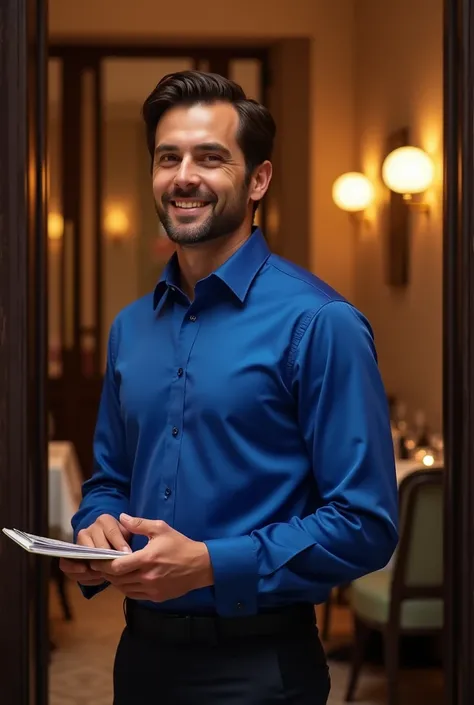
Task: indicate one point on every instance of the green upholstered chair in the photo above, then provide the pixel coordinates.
(407, 597)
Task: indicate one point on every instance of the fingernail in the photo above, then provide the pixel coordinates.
(127, 517)
(127, 549)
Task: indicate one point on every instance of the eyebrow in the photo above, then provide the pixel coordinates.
(203, 147)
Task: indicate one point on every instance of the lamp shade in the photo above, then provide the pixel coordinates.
(55, 225)
(408, 170)
(353, 192)
(116, 223)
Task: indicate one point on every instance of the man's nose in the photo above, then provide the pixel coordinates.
(187, 175)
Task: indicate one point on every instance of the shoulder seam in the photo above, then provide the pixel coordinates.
(303, 327)
(300, 279)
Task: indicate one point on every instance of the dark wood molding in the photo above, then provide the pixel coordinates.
(23, 449)
(459, 347)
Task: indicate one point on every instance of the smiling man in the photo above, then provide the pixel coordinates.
(243, 451)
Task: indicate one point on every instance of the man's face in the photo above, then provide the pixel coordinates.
(199, 178)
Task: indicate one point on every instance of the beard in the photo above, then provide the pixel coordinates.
(212, 227)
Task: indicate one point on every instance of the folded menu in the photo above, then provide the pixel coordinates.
(60, 549)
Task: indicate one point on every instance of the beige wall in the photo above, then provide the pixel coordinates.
(120, 265)
(330, 25)
(399, 83)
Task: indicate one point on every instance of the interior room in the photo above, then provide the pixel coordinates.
(356, 88)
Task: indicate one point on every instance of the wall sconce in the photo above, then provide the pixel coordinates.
(55, 226)
(116, 224)
(353, 192)
(409, 171)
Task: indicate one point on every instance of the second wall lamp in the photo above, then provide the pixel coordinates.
(409, 171)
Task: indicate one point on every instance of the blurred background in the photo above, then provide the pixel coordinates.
(356, 88)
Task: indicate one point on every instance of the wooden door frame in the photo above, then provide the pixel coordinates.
(24, 640)
(458, 340)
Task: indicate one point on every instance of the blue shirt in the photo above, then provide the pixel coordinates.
(254, 419)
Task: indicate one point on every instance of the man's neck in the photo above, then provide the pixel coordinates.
(198, 261)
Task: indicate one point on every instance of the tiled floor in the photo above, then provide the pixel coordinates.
(81, 666)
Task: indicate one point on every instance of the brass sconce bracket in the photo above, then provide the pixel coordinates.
(397, 243)
(414, 204)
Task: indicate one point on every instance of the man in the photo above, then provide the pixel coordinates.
(243, 447)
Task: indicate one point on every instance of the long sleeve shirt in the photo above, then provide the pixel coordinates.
(254, 419)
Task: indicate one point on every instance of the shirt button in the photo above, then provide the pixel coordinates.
(240, 605)
(180, 372)
(172, 288)
(167, 492)
(192, 317)
(175, 431)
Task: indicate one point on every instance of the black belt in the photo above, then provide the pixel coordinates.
(212, 629)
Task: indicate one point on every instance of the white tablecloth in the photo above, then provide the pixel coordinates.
(405, 467)
(65, 480)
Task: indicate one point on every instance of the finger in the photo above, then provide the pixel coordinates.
(103, 566)
(132, 579)
(84, 538)
(113, 533)
(144, 527)
(83, 575)
(125, 564)
(73, 567)
(91, 582)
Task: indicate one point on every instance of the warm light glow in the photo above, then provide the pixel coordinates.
(55, 226)
(428, 460)
(353, 192)
(408, 170)
(116, 223)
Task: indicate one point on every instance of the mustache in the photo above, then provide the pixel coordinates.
(195, 194)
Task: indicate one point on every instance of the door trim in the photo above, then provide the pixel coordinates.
(458, 340)
(24, 635)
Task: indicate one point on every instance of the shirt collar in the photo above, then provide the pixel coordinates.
(237, 273)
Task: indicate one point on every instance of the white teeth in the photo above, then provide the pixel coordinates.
(189, 204)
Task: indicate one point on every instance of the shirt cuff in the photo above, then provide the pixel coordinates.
(234, 564)
(91, 590)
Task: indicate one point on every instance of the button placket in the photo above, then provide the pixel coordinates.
(184, 343)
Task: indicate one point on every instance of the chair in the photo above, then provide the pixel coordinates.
(408, 597)
(339, 597)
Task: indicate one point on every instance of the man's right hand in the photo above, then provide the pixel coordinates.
(105, 532)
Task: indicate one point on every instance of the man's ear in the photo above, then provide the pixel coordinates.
(260, 181)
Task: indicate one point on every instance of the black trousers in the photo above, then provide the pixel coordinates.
(287, 668)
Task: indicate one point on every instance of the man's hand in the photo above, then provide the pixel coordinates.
(169, 566)
(105, 532)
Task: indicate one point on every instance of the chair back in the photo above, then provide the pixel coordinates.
(419, 569)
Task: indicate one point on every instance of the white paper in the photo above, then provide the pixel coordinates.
(42, 545)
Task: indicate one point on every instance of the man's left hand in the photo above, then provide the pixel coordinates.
(169, 566)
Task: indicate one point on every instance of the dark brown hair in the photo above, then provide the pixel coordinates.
(257, 128)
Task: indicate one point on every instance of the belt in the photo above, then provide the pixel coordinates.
(213, 629)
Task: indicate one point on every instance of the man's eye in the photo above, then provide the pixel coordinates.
(168, 158)
(212, 158)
